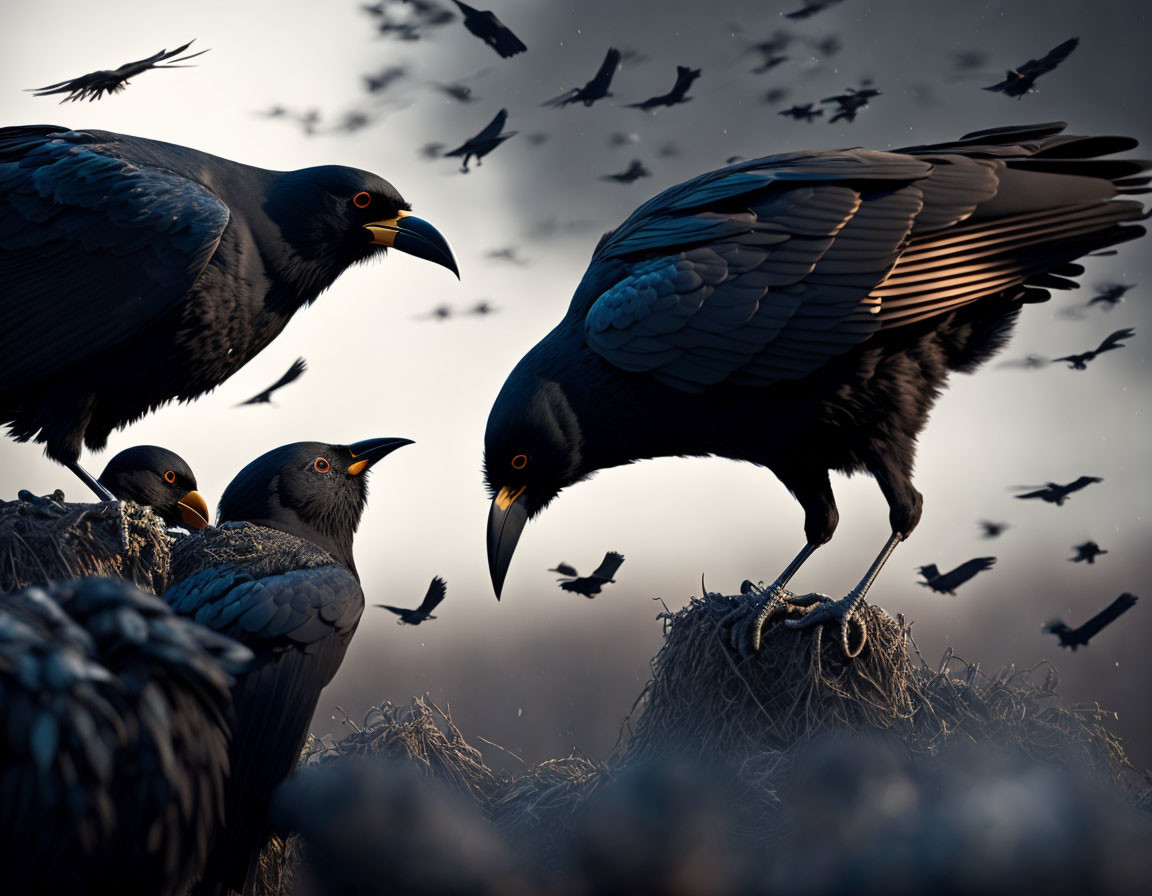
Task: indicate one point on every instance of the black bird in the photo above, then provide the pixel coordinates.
(590, 585)
(508, 254)
(631, 174)
(278, 576)
(1111, 342)
(810, 8)
(594, 90)
(432, 599)
(1052, 493)
(1110, 295)
(1079, 637)
(803, 112)
(1028, 362)
(93, 86)
(212, 259)
(462, 93)
(158, 478)
(993, 529)
(384, 78)
(948, 582)
(801, 312)
(115, 740)
(776, 95)
(491, 30)
(565, 569)
(1021, 81)
(291, 375)
(484, 142)
(431, 150)
(440, 312)
(684, 78)
(769, 63)
(850, 103)
(482, 308)
(1086, 553)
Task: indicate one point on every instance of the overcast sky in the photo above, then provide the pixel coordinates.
(545, 670)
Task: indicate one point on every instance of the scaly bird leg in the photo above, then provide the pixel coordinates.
(846, 610)
(102, 493)
(746, 626)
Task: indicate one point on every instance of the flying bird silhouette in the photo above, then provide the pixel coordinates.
(384, 78)
(1079, 637)
(1111, 342)
(631, 174)
(93, 86)
(491, 30)
(432, 599)
(484, 142)
(1022, 81)
(1086, 553)
(291, 375)
(1110, 295)
(460, 92)
(948, 582)
(850, 103)
(594, 90)
(1028, 362)
(590, 585)
(810, 8)
(803, 112)
(440, 312)
(684, 78)
(565, 569)
(992, 529)
(1052, 493)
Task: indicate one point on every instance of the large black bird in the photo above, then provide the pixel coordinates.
(485, 25)
(1022, 81)
(93, 86)
(594, 90)
(948, 582)
(685, 76)
(1087, 552)
(1111, 342)
(591, 585)
(279, 577)
(1053, 493)
(290, 376)
(133, 272)
(484, 142)
(801, 312)
(158, 478)
(1079, 637)
(432, 599)
(114, 743)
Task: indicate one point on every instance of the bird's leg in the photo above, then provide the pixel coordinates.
(846, 610)
(102, 493)
(747, 628)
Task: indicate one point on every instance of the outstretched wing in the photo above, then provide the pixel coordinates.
(1082, 482)
(495, 126)
(1113, 340)
(294, 373)
(1105, 617)
(608, 566)
(1033, 68)
(607, 69)
(91, 248)
(434, 597)
(94, 84)
(564, 569)
(955, 578)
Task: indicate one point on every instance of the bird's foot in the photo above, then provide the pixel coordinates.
(57, 497)
(845, 612)
(746, 623)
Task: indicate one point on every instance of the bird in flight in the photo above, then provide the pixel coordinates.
(684, 78)
(93, 86)
(809, 9)
(1052, 493)
(1021, 81)
(290, 376)
(801, 312)
(803, 112)
(491, 30)
(948, 582)
(484, 142)
(590, 585)
(1086, 553)
(596, 89)
(850, 103)
(992, 529)
(1079, 637)
(161, 479)
(1110, 295)
(631, 174)
(1110, 343)
(432, 599)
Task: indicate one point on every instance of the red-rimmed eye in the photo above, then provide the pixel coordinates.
(321, 465)
(362, 200)
(170, 476)
(520, 461)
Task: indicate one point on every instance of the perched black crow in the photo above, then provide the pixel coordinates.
(590, 586)
(1111, 342)
(432, 599)
(1079, 637)
(565, 569)
(810, 8)
(1110, 295)
(1086, 553)
(115, 740)
(948, 582)
(803, 112)
(1023, 80)
(594, 90)
(95, 85)
(134, 272)
(850, 103)
(491, 30)
(992, 529)
(1053, 493)
(158, 478)
(279, 577)
(684, 78)
(291, 375)
(631, 174)
(801, 312)
(484, 142)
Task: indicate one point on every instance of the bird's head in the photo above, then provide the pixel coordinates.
(157, 478)
(334, 217)
(312, 490)
(532, 450)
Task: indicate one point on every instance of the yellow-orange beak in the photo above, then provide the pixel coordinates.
(194, 510)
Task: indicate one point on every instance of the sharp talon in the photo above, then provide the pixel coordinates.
(746, 586)
(843, 612)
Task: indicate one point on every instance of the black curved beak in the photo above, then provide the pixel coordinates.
(414, 236)
(366, 453)
(193, 510)
(506, 521)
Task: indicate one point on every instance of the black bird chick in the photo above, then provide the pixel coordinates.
(485, 25)
(93, 86)
(211, 261)
(1079, 637)
(594, 90)
(992, 529)
(291, 375)
(117, 716)
(1110, 295)
(158, 478)
(1022, 81)
(802, 112)
(1111, 342)
(432, 599)
(1086, 553)
(801, 312)
(948, 582)
(631, 174)
(278, 576)
(685, 76)
(1052, 493)
(590, 585)
(484, 142)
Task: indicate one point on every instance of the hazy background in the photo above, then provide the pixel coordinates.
(544, 671)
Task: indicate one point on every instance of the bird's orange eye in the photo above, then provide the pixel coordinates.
(321, 465)
(362, 200)
(520, 461)
(170, 476)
